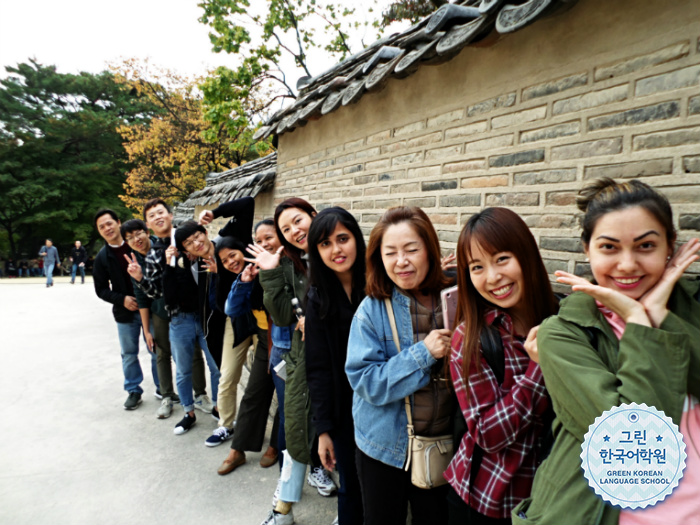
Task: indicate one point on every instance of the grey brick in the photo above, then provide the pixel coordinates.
(448, 236)
(553, 265)
(376, 190)
(317, 155)
(407, 159)
(334, 173)
(682, 194)
(694, 106)
(490, 143)
(519, 117)
(502, 101)
(439, 185)
(464, 131)
(384, 204)
(691, 164)
(630, 65)
(590, 100)
(424, 140)
(370, 218)
(662, 111)
(459, 201)
(442, 153)
(421, 202)
(385, 176)
(409, 187)
(551, 132)
(681, 78)
(369, 152)
(551, 221)
(345, 158)
(409, 128)
(353, 169)
(664, 139)
(545, 176)
(516, 159)
(590, 148)
(326, 163)
(689, 221)
(630, 170)
(555, 86)
(364, 204)
(353, 192)
(512, 199)
(364, 179)
(561, 244)
(444, 118)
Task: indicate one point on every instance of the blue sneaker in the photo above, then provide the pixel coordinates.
(219, 435)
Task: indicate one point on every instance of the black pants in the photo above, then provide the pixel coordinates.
(349, 492)
(463, 514)
(255, 405)
(387, 491)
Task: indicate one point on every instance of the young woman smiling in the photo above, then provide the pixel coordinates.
(336, 287)
(284, 280)
(504, 292)
(403, 265)
(633, 335)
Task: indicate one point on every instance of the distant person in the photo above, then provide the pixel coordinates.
(34, 270)
(51, 259)
(113, 285)
(78, 257)
(23, 268)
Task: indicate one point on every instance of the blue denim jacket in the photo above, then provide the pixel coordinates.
(381, 377)
(238, 302)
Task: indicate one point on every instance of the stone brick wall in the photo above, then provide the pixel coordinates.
(452, 143)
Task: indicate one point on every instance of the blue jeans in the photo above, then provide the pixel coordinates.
(129, 334)
(49, 274)
(74, 270)
(185, 333)
(279, 388)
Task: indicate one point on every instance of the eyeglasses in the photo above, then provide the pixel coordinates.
(195, 237)
(133, 236)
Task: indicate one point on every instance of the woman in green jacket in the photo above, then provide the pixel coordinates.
(633, 335)
(284, 281)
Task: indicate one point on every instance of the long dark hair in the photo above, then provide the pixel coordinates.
(321, 276)
(379, 285)
(291, 251)
(498, 230)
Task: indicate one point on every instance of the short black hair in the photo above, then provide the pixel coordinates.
(153, 203)
(106, 211)
(185, 230)
(133, 225)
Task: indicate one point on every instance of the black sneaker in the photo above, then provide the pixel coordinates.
(215, 414)
(185, 424)
(133, 401)
(158, 394)
(176, 399)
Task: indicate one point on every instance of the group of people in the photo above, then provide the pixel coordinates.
(48, 261)
(365, 355)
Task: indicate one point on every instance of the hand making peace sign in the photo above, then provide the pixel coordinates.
(134, 268)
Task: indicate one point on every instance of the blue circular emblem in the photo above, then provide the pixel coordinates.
(633, 456)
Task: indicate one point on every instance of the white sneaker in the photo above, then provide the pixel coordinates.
(335, 521)
(203, 403)
(321, 479)
(276, 495)
(279, 519)
(165, 408)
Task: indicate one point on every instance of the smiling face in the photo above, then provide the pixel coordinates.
(338, 251)
(266, 236)
(628, 251)
(497, 277)
(138, 241)
(108, 229)
(78, 244)
(405, 256)
(232, 260)
(294, 224)
(197, 244)
(159, 220)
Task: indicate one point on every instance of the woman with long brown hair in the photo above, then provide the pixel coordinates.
(504, 294)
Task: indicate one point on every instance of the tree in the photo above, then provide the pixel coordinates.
(411, 10)
(172, 153)
(61, 157)
(286, 30)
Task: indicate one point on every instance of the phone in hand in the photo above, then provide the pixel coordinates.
(449, 306)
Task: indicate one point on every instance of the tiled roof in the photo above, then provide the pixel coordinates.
(434, 40)
(246, 180)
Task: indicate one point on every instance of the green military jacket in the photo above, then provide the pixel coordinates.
(280, 285)
(587, 371)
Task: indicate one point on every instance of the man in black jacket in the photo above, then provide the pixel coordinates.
(78, 257)
(113, 284)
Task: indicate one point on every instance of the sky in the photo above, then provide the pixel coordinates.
(86, 35)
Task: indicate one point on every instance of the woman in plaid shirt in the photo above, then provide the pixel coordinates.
(504, 293)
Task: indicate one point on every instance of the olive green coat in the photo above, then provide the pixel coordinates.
(280, 285)
(647, 365)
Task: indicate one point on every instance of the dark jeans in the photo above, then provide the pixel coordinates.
(462, 514)
(349, 492)
(279, 388)
(387, 490)
(255, 405)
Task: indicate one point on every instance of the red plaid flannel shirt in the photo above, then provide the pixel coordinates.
(505, 421)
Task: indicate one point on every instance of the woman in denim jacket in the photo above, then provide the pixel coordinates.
(403, 264)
